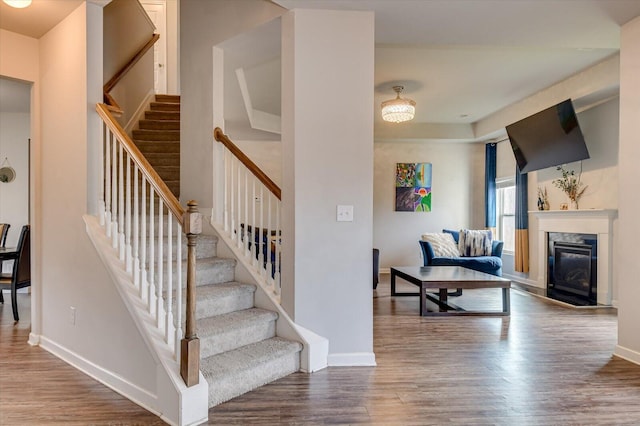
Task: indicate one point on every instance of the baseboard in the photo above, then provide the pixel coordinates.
(385, 270)
(627, 354)
(129, 390)
(354, 359)
(527, 281)
(34, 339)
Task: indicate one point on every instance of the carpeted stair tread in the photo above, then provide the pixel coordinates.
(158, 146)
(233, 373)
(168, 98)
(158, 159)
(223, 298)
(229, 331)
(159, 124)
(164, 106)
(156, 135)
(162, 115)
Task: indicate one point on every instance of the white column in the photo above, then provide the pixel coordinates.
(626, 264)
(327, 154)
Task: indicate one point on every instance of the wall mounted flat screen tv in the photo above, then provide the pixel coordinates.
(549, 138)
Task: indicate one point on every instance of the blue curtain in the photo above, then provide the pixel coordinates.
(490, 185)
(522, 223)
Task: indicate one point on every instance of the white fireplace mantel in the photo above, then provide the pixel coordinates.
(589, 221)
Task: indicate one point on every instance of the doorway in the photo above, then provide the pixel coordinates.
(15, 152)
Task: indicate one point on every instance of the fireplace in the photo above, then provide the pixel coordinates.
(573, 268)
(593, 222)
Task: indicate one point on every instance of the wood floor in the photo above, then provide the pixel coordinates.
(544, 365)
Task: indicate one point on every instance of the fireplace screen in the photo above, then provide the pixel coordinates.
(573, 271)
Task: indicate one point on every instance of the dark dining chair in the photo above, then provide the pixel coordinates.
(21, 275)
(4, 229)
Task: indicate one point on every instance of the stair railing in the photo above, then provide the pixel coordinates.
(138, 213)
(251, 213)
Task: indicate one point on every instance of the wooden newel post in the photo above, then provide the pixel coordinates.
(190, 345)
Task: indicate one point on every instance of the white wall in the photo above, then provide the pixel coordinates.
(457, 198)
(204, 24)
(328, 161)
(14, 196)
(627, 264)
(104, 339)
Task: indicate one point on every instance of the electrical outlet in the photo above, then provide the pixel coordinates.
(72, 317)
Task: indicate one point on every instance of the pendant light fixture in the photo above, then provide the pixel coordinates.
(18, 4)
(399, 109)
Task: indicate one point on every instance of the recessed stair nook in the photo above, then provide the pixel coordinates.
(596, 222)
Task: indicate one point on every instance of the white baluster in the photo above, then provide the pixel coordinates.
(128, 254)
(136, 229)
(121, 167)
(107, 182)
(276, 277)
(114, 193)
(239, 209)
(179, 288)
(234, 233)
(169, 301)
(152, 259)
(261, 258)
(245, 198)
(101, 192)
(269, 242)
(159, 282)
(226, 190)
(144, 284)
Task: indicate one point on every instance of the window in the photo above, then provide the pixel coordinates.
(506, 212)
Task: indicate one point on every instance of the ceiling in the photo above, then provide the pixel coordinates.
(34, 21)
(460, 60)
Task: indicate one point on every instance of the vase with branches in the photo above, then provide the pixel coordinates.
(570, 184)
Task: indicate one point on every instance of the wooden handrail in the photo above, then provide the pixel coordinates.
(123, 71)
(237, 152)
(145, 168)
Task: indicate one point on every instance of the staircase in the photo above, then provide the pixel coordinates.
(158, 138)
(239, 349)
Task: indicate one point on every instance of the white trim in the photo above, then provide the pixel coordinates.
(138, 395)
(34, 339)
(627, 354)
(353, 359)
(521, 280)
(385, 270)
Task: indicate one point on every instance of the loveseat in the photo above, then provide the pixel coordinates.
(490, 264)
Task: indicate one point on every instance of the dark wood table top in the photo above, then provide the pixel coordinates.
(449, 274)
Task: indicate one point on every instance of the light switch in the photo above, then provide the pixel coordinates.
(344, 214)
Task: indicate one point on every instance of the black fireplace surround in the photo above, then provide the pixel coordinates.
(573, 268)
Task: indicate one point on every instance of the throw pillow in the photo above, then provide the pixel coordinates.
(475, 242)
(443, 244)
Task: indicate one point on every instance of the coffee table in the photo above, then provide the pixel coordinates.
(445, 278)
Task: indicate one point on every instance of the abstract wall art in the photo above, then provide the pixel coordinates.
(413, 187)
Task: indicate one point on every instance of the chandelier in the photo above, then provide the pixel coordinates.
(398, 110)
